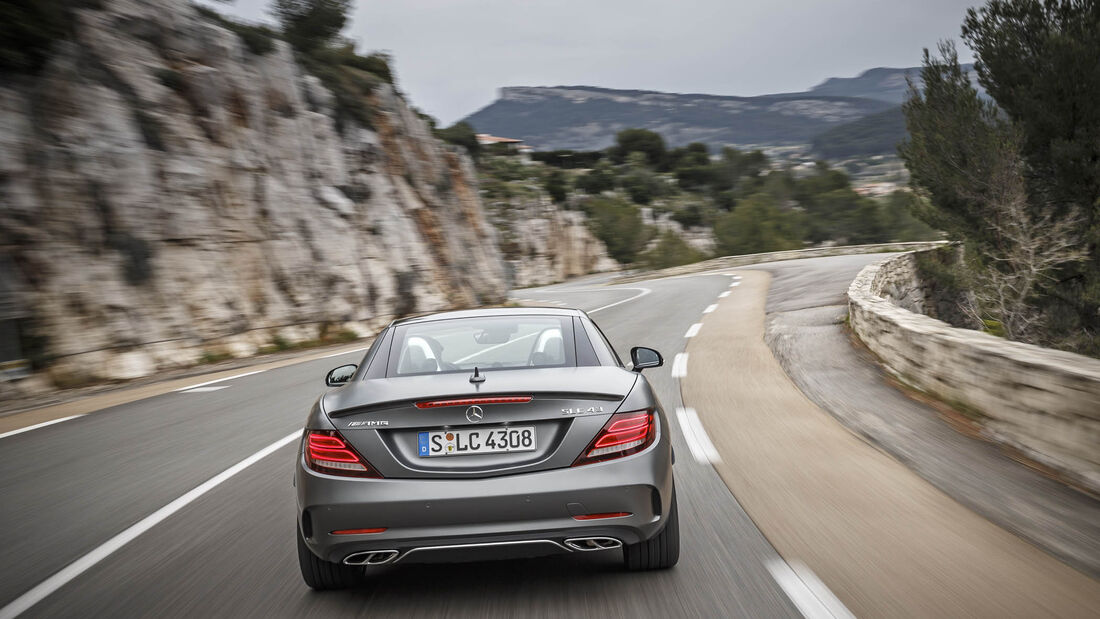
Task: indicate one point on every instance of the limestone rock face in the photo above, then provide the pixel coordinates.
(542, 243)
(166, 193)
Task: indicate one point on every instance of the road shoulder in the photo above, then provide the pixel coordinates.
(884, 540)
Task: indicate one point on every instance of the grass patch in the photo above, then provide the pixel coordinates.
(211, 356)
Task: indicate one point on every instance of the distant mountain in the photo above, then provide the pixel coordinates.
(587, 118)
(875, 134)
(881, 83)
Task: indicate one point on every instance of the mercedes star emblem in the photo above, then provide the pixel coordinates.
(474, 414)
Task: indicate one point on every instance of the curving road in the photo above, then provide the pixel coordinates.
(70, 489)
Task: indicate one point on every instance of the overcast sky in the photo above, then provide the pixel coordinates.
(451, 56)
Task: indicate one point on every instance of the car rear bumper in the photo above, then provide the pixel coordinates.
(528, 514)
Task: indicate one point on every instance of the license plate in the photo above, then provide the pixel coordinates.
(468, 442)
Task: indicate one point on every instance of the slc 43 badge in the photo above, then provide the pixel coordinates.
(582, 411)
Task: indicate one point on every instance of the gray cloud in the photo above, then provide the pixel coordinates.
(452, 55)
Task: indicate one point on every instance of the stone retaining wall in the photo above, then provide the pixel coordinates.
(731, 262)
(1043, 402)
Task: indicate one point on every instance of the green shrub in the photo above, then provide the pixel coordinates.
(619, 225)
(258, 39)
(670, 251)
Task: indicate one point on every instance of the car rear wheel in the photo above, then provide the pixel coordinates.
(323, 575)
(660, 552)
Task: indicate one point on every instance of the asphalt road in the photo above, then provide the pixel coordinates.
(70, 487)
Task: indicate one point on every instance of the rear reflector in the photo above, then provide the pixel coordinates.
(358, 531)
(327, 452)
(511, 399)
(624, 434)
(601, 516)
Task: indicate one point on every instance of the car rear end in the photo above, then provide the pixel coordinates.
(436, 467)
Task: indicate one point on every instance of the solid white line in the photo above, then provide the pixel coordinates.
(644, 292)
(680, 365)
(710, 308)
(346, 352)
(83, 564)
(693, 330)
(205, 389)
(38, 425)
(724, 295)
(696, 436)
(813, 599)
(211, 382)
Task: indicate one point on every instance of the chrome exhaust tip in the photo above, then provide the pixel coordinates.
(371, 557)
(588, 544)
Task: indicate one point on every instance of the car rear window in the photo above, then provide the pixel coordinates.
(489, 342)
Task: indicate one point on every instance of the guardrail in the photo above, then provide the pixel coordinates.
(729, 262)
(1043, 402)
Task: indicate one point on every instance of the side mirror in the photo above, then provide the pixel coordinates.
(341, 375)
(643, 358)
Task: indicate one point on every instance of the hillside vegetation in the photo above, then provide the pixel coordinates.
(656, 206)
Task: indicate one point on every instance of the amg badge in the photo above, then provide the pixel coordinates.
(360, 424)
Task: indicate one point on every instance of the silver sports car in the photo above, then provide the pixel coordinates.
(485, 434)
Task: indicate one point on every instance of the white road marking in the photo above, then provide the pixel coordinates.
(680, 365)
(724, 295)
(346, 352)
(43, 589)
(644, 292)
(38, 425)
(211, 382)
(735, 284)
(710, 308)
(693, 330)
(696, 436)
(737, 277)
(205, 389)
(813, 599)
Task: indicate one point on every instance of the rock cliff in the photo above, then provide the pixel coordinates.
(543, 244)
(166, 194)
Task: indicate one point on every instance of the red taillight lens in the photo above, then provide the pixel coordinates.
(328, 452)
(359, 531)
(624, 434)
(603, 516)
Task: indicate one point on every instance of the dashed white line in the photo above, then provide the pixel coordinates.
(813, 599)
(680, 365)
(86, 562)
(696, 436)
(710, 308)
(205, 389)
(724, 295)
(211, 382)
(693, 330)
(735, 284)
(38, 425)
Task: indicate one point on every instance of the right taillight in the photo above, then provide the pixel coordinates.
(327, 452)
(624, 434)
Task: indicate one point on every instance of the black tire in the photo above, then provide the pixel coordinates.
(660, 552)
(323, 575)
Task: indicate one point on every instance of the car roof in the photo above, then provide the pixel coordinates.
(489, 311)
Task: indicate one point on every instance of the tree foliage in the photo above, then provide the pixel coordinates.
(671, 250)
(619, 225)
(649, 143)
(1020, 232)
(755, 225)
(461, 134)
(310, 24)
(556, 186)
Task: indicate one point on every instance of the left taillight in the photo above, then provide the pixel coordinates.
(624, 434)
(327, 452)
